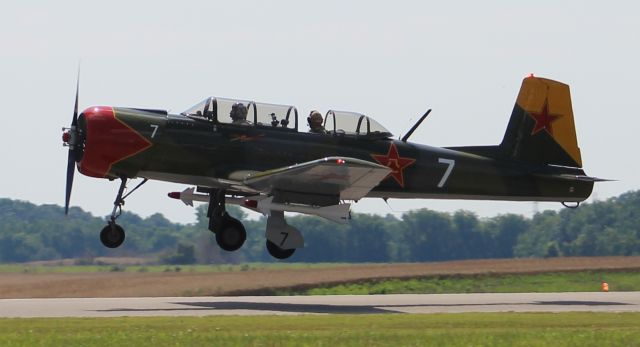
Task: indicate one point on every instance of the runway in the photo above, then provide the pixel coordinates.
(330, 304)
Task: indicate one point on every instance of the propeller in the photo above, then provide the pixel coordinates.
(70, 137)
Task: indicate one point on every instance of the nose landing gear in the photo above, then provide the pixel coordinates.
(112, 235)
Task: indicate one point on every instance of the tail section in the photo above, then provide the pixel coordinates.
(539, 158)
(541, 129)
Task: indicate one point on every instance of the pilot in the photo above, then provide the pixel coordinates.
(315, 123)
(239, 114)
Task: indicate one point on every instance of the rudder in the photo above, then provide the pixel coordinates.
(542, 129)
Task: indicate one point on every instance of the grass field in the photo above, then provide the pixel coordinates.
(584, 281)
(533, 329)
(119, 280)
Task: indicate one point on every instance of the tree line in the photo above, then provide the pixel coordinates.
(29, 232)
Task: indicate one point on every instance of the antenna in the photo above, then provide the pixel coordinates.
(415, 126)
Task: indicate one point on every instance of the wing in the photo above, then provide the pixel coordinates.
(348, 178)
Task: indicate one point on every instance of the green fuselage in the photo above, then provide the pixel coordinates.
(197, 152)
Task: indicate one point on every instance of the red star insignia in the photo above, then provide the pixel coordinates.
(395, 162)
(544, 119)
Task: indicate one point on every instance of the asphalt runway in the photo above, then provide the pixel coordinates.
(330, 304)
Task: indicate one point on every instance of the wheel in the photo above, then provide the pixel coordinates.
(278, 252)
(112, 235)
(232, 235)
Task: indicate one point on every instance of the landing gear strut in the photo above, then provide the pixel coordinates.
(112, 235)
(230, 233)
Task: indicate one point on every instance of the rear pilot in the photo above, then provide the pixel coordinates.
(315, 123)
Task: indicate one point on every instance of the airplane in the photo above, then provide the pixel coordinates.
(269, 164)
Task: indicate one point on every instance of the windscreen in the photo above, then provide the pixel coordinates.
(352, 123)
(272, 115)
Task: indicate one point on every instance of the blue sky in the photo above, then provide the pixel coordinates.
(389, 60)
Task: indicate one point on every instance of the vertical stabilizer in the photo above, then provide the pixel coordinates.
(541, 129)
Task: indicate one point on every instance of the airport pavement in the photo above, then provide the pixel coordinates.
(329, 304)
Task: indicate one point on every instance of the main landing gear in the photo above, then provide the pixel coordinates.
(230, 233)
(112, 235)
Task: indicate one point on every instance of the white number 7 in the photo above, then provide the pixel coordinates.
(155, 129)
(451, 163)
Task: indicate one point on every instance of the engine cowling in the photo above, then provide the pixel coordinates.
(107, 140)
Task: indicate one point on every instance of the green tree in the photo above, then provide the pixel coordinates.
(183, 255)
(612, 227)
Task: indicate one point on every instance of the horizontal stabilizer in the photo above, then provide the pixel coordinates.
(584, 178)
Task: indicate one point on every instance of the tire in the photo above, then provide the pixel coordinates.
(278, 252)
(112, 235)
(232, 236)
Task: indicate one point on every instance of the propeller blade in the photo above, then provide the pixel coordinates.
(71, 169)
(74, 121)
(71, 160)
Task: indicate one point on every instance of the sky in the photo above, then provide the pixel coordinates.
(389, 60)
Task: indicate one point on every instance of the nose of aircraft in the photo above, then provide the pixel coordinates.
(108, 140)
